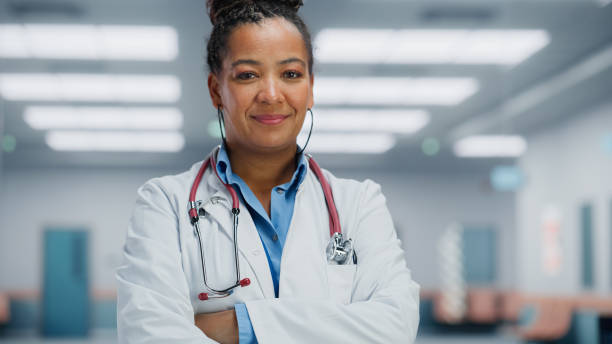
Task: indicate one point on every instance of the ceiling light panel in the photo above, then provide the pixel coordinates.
(130, 118)
(89, 42)
(115, 141)
(90, 87)
(394, 91)
(497, 47)
(367, 143)
(400, 121)
(490, 146)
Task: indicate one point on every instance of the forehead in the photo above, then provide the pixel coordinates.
(272, 39)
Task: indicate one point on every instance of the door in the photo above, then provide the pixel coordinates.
(65, 297)
(479, 255)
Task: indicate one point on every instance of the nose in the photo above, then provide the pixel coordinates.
(270, 91)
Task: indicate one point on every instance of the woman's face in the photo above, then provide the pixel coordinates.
(264, 87)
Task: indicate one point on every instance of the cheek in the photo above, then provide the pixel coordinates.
(235, 100)
(301, 97)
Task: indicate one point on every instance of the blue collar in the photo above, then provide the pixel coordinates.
(225, 171)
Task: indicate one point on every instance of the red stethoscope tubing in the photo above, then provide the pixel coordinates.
(193, 212)
(334, 220)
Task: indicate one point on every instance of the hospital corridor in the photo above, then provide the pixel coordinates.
(316, 171)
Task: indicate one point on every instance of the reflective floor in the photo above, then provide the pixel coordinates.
(110, 338)
(98, 337)
(467, 339)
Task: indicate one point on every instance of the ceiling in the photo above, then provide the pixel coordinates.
(580, 38)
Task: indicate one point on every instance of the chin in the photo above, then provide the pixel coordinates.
(270, 144)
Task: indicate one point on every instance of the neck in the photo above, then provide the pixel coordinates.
(262, 171)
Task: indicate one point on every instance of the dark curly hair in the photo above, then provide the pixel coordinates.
(226, 15)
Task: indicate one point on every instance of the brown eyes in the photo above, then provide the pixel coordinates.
(290, 74)
(246, 76)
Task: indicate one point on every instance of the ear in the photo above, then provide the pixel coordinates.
(213, 89)
(310, 92)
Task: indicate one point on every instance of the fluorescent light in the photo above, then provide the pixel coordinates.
(11, 41)
(502, 47)
(90, 87)
(352, 46)
(115, 141)
(394, 91)
(401, 121)
(88, 42)
(348, 143)
(488, 146)
(424, 46)
(134, 118)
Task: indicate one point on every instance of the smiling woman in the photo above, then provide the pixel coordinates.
(333, 269)
(263, 91)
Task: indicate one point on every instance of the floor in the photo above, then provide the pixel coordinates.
(110, 338)
(467, 339)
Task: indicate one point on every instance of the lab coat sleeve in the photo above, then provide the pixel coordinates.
(152, 293)
(385, 299)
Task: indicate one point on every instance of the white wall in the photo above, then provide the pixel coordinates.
(422, 206)
(566, 166)
(35, 198)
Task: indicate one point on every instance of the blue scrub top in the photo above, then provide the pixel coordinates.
(272, 229)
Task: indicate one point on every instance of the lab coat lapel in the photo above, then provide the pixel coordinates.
(249, 242)
(303, 260)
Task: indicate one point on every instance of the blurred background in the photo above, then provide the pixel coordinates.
(488, 124)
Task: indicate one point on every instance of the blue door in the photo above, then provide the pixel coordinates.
(479, 255)
(65, 297)
(586, 224)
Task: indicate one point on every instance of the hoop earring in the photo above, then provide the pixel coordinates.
(221, 127)
(309, 133)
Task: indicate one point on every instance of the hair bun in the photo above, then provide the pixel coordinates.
(293, 4)
(219, 9)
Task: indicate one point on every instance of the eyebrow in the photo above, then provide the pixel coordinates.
(245, 61)
(257, 63)
(291, 60)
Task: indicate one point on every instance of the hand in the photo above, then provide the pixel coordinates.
(220, 326)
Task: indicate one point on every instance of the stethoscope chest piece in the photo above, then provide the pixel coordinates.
(339, 250)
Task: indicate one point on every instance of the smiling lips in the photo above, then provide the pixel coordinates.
(269, 119)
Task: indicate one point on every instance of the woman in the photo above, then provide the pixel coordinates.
(261, 81)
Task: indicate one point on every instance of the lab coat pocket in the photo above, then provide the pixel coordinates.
(340, 282)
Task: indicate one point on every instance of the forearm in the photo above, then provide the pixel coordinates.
(220, 326)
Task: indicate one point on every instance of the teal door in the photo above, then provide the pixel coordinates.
(65, 296)
(586, 224)
(479, 255)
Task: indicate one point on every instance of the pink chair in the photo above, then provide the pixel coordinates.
(553, 316)
(5, 309)
(483, 306)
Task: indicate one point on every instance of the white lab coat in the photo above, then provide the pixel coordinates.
(375, 301)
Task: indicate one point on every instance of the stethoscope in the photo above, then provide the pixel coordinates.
(338, 250)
